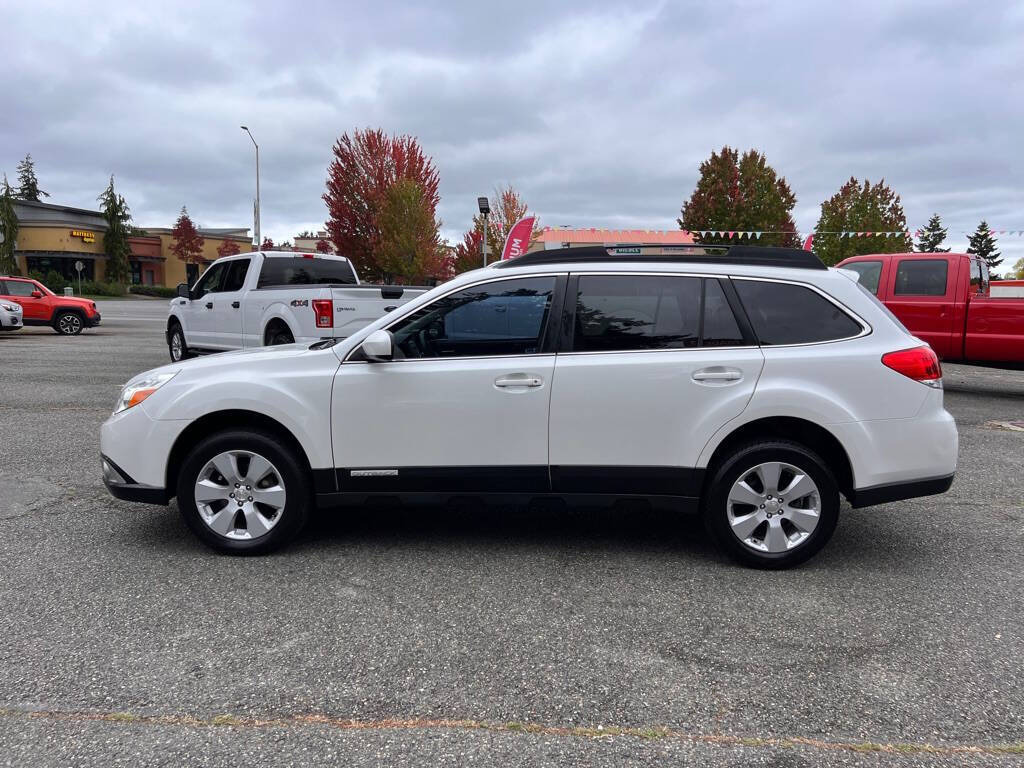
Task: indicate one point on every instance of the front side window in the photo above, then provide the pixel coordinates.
(868, 272)
(21, 288)
(784, 313)
(921, 277)
(504, 317)
(210, 282)
(303, 270)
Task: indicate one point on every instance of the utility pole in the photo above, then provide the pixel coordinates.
(256, 211)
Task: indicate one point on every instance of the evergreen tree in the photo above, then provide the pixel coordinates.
(115, 240)
(932, 236)
(28, 184)
(741, 193)
(8, 231)
(983, 243)
(856, 207)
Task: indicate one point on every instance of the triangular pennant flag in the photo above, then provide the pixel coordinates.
(757, 235)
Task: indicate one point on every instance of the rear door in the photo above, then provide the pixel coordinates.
(651, 366)
(227, 305)
(921, 293)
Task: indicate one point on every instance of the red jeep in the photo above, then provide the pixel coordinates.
(66, 314)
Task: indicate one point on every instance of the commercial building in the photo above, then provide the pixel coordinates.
(57, 237)
(625, 241)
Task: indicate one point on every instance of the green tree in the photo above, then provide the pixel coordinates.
(1017, 273)
(983, 243)
(408, 246)
(932, 236)
(28, 184)
(737, 193)
(115, 239)
(8, 231)
(858, 207)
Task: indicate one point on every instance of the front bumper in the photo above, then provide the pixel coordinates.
(122, 486)
(12, 323)
(92, 322)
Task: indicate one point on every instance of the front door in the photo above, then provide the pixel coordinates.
(200, 322)
(227, 306)
(656, 365)
(36, 309)
(463, 407)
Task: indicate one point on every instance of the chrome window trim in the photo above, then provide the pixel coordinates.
(865, 327)
(482, 281)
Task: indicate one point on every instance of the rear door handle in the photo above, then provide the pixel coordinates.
(518, 380)
(209, 305)
(718, 374)
(236, 304)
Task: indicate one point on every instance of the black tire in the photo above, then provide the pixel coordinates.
(68, 323)
(278, 334)
(293, 474)
(177, 336)
(741, 462)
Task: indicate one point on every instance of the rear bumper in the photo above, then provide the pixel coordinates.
(122, 486)
(883, 494)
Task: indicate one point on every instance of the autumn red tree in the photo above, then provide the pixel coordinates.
(509, 207)
(267, 244)
(187, 242)
(322, 246)
(741, 193)
(228, 248)
(467, 254)
(365, 167)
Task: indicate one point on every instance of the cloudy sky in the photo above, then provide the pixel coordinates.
(598, 112)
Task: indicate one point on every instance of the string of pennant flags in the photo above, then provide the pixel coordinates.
(756, 234)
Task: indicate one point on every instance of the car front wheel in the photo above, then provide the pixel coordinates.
(176, 344)
(772, 504)
(68, 324)
(244, 492)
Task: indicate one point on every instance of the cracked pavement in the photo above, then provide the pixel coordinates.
(907, 629)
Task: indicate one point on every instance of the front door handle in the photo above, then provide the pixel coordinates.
(209, 305)
(518, 380)
(718, 374)
(236, 304)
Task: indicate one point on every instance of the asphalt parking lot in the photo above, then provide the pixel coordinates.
(491, 636)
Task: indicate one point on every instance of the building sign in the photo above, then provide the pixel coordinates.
(626, 251)
(87, 237)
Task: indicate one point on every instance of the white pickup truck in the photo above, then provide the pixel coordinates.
(264, 298)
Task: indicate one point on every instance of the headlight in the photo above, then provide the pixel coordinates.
(137, 391)
(11, 307)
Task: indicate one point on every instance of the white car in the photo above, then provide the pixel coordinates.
(12, 316)
(282, 297)
(757, 386)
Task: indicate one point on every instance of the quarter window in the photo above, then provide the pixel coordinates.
(783, 313)
(921, 277)
(500, 318)
(869, 273)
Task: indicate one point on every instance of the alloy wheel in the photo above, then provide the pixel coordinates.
(240, 495)
(773, 507)
(70, 324)
(176, 346)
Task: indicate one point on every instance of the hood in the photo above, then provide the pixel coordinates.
(235, 359)
(74, 301)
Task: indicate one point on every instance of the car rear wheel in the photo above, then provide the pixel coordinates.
(176, 345)
(278, 334)
(772, 504)
(68, 323)
(244, 492)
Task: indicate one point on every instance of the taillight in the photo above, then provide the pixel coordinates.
(920, 364)
(324, 311)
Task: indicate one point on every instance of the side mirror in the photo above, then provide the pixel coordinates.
(183, 291)
(37, 294)
(378, 346)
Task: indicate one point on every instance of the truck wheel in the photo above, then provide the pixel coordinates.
(68, 323)
(772, 504)
(244, 492)
(278, 334)
(176, 344)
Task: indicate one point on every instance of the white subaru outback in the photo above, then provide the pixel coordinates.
(755, 385)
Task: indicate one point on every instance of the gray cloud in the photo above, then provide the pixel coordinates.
(600, 113)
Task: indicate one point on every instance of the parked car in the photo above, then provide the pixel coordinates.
(67, 315)
(10, 316)
(266, 298)
(757, 387)
(945, 299)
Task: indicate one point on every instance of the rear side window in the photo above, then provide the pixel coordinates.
(869, 273)
(783, 313)
(235, 278)
(621, 313)
(284, 270)
(921, 277)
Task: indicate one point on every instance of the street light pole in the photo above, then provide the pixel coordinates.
(485, 209)
(256, 222)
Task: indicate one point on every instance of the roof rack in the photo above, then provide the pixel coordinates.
(696, 253)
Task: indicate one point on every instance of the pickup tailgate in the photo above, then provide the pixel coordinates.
(356, 306)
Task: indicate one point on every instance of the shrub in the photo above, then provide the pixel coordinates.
(55, 281)
(91, 288)
(153, 290)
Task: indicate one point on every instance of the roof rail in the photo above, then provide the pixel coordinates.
(697, 253)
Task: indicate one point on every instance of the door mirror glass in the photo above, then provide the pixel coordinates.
(37, 294)
(183, 290)
(378, 346)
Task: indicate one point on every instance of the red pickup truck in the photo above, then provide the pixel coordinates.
(944, 299)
